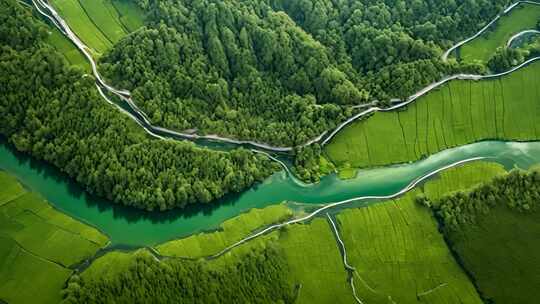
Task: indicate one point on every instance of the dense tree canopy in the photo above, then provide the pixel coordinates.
(259, 277)
(283, 71)
(53, 112)
(517, 190)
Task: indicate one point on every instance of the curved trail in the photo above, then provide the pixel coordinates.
(519, 35)
(410, 186)
(423, 92)
(151, 129)
(349, 268)
(481, 31)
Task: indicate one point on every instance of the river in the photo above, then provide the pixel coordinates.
(133, 228)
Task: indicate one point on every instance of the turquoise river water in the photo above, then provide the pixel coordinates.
(129, 227)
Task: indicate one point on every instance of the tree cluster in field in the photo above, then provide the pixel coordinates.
(258, 277)
(54, 112)
(507, 57)
(283, 71)
(517, 190)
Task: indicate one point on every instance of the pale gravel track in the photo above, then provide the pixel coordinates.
(514, 37)
(340, 203)
(126, 95)
(349, 268)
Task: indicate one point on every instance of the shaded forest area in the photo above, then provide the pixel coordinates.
(258, 277)
(280, 71)
(53, 112)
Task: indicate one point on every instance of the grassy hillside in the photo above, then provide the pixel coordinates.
(100, 23)
(37, 245)
(458, 113)
(523, 17)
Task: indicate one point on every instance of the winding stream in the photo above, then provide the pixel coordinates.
(130, 227)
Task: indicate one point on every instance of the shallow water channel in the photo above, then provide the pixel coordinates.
(129, 227)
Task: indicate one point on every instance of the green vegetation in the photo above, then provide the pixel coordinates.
(131, 15)
(400, 255)
(37, 244)
(52, 112)
(315, 263)
(100, 23)
(256, 277)
(458, 113)
(494, 230)
(523, 17)
(309, 163)
(67, 49)
(282, 72)
(27, 278)
(230, 231)
(81, 24)
(460, 178)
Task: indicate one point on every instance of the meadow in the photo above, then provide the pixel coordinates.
(100, 23)
(37, 245)
(523, 17)
(399, 254)
(458, 113)
(229, 232)
(398, 251)
(67, 49)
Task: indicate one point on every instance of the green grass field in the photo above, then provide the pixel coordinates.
(315, 263)
(462, 177)
(231, 231)
(27, 278)
(400, 255)
(499, 247)
(37, 244)
(523, 17)
(67, 49)
(501, 252)
(130, 14)
(100, 23)
(458, 113)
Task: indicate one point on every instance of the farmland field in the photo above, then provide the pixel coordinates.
(26, 278)
(523, 17)
(400, 255)
(398, 251)
(37, 244)
(67, 49)
(231, 231)
(458, 113)
(100, 23)
(315, 263)
(496, 241)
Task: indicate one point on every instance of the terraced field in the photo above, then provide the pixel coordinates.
(37, 245)
(458, 113)
(523, 17)
(231, 231)
(100, 23)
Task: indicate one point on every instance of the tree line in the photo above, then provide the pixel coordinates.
(53, 112)
(257, 277)
(517, 190)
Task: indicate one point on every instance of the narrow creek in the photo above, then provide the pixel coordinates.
(130, 227)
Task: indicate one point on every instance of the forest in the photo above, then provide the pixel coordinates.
(53, 112)
(258, 277)
(518, 190)
(282, 72)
